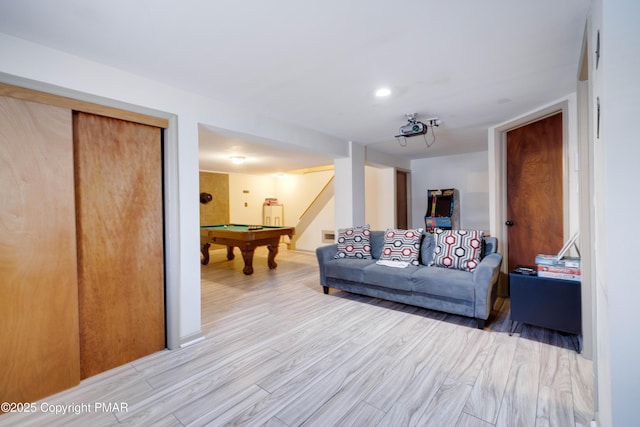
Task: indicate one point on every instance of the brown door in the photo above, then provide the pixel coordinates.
(402, 219)
(120, 247)
(534, 190)
(39, 352)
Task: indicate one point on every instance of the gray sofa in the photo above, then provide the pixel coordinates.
(443, 289)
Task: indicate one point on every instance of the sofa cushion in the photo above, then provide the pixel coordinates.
(457, 249)
(426, 248)
(389, 277)
(401, 245)
(490, 245)
(443, 282)
(347, 268)
(377, 243)
(354, 243)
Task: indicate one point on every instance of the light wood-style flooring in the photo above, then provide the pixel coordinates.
(278, 352)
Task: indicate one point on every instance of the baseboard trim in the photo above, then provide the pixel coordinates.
(191, 339)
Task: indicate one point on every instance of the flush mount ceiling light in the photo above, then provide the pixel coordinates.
(414, 127)
(237, 160)
(382, 92)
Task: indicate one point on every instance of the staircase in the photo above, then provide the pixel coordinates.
(312, 211)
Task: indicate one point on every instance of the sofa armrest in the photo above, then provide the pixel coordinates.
(485, 279)
(324, 254)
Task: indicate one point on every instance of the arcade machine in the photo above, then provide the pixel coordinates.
(443, 210)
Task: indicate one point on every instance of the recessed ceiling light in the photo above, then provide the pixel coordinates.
(238, 160)
(382, 92)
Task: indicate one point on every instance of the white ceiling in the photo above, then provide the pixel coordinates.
(317, 64)
(261, 156)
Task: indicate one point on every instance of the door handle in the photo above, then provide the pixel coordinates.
(508, 223)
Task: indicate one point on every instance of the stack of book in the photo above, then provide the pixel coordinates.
(566, 268)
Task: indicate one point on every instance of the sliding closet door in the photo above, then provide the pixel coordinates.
(38, 287)
(120, 241)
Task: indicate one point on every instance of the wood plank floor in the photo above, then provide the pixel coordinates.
(278, 352)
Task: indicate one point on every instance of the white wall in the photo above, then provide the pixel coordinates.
(246, 196)
(602, 351)
(616, 83)
(468, 173)
(297, 192)
(312, 237)
(350, 187)
(380, 197)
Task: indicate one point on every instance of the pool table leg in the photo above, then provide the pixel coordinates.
(230, 254)
(247, 256)
(205, 253)
(273, 251)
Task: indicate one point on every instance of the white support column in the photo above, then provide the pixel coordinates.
(349, 188)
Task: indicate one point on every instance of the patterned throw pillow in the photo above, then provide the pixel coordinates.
(457, 249)
(354, 243)
(401, 245)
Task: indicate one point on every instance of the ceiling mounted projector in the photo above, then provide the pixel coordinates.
(415, 128)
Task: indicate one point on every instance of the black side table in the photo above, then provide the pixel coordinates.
(545, 302)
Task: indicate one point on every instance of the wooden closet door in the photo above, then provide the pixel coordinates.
(39, 352)
(402, 211)
(120, 241)
(534, 190)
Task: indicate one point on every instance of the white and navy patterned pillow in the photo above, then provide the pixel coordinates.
(457, 249)
(401, 245)
(354, 243)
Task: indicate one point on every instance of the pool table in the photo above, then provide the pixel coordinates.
(245, 237)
